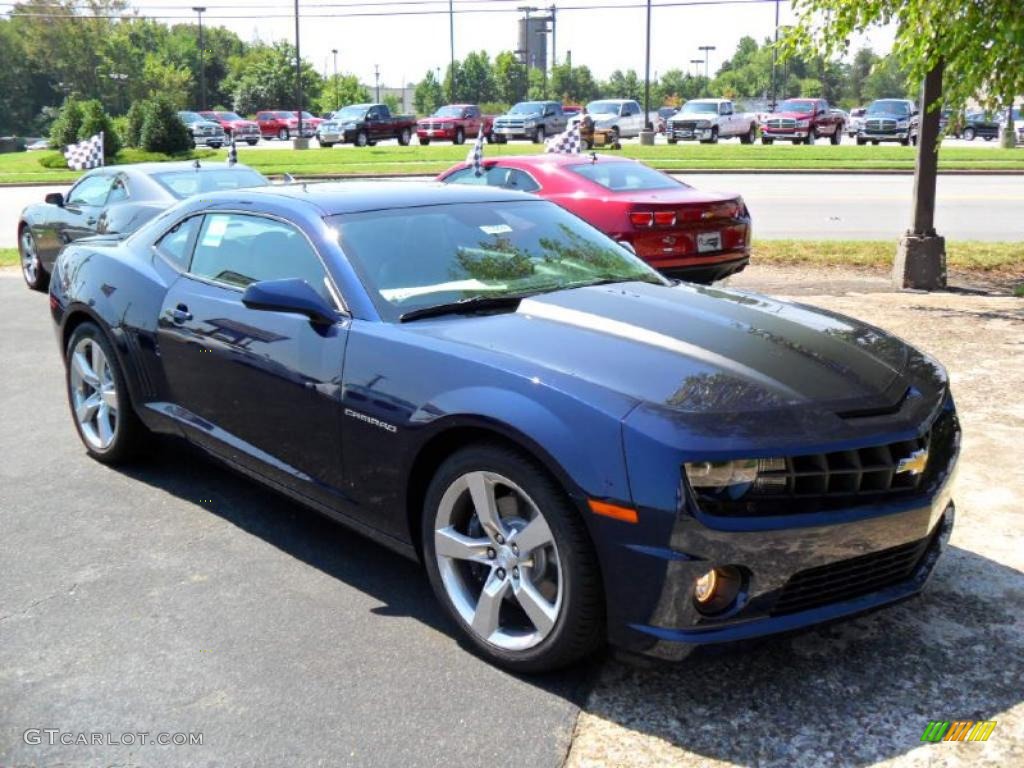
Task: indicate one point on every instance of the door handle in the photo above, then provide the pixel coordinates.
(180, 314)
(91, 220)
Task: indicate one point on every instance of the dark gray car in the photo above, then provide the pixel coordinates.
(116, 199)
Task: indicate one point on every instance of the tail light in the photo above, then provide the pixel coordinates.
(648, 219)
(642, 218)
(664, 218)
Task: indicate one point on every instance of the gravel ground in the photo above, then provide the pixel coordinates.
(862, 692)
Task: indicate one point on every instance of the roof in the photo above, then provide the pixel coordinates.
(179, 165)
(557, 159)
(358, 196)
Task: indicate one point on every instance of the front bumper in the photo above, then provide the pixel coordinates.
(516, 132)
(331, 137)
(686, 134)
(435, 133)
(874, 136)
(797, 133)
(209, 141)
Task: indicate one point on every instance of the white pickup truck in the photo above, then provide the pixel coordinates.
(709, 120)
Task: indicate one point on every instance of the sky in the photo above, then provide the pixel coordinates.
(405, 47)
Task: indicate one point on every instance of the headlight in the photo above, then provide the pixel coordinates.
(446, 126)
(903, 123)
(735, 478)
(350, 125)
(803, 123)
(702, 123)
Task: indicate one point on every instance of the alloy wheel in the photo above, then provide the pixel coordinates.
(498, 561)
(29, 258)
(93, 394)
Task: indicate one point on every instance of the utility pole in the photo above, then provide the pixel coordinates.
(696, 66)
(775, 55)
(554, 55)
(706, 49)
(298, 75)
(200, 10)
(451, 40)
(647, 73)
(921, 253)
(376, 81)
(337, 98)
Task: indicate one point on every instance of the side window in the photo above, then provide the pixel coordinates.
(466, 176)
(373, 114)
(119, 190)
(92, 190)
(176, 244)
(472, 112)
(239, 249)
(496, 176)
(516, 179)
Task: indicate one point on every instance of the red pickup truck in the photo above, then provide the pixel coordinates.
(802, 121)
(455, 123)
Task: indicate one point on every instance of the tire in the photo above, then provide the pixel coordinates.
(750, 137)
(489, 138)
(616, 135)
(811, 137)
(214, 145)
(501, 139)
(538, 135)
(283, 134)
(252, 142)
(405, 137)
(874, 143)
(836, 138)
(326, 144)
(969, 134)
(989, 138)
(905, 142)
(861, 142)
(362, 140)
(767, 140)
(36, 277)
(672, 140)
(584, 145)
(713, 139)
(109, 428)
(460, 137)
(424, 142)
(568, 617)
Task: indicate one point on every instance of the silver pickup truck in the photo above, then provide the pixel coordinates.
(532, 120)
(708, 120)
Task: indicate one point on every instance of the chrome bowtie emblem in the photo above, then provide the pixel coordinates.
(914, 463)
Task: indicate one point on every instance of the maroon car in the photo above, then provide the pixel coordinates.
(235, 126)
(455, 123)
(679, 230)
(278, 124)
(802, 121)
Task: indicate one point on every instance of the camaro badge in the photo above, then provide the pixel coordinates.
(370, 420)
(914, 463)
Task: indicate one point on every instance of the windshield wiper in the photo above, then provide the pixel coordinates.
(463, 307)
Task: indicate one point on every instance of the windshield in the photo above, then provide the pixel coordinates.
(191, 117)
(449, 112)
(603, 108)
(527, 108)
(228, 116)
(356, 112)
(889, 107)
(800, 107)
(625, 176)
(413, 258)
(184, 184)
(700, 108)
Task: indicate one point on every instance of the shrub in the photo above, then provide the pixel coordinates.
(133, 123)
(96, 120)
(162, 129)
(65, 127)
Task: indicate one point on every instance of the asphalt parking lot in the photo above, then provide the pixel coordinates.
(176, 597)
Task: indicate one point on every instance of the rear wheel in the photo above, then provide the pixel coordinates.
(750, 136)
(32, 270)
(405, 137)
(511, 560)
(98, 396)
(460, 136)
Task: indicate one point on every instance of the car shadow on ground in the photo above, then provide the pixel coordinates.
(400, 584)
(851, 693)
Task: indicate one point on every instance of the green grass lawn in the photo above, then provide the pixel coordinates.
(8, 257)
(26, 166)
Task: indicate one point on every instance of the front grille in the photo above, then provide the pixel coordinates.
(851, 578)
(510, 124)
(880, 125)
(782, 123)
(840, 479)
(684, 125)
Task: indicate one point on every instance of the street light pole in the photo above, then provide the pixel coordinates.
(376, 81)
(775, 55)
(647, 73)
(200, 10)
(696, 66)
(451, 40)
(706, 49)
(298, 71)
(337, 98)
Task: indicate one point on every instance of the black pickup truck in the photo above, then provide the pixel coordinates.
(364, 125)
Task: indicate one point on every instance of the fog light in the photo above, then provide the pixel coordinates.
(716, 590)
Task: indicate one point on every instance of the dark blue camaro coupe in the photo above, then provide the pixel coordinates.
(579, 450)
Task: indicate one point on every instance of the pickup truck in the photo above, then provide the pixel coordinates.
(802, 121)
(889, 120)
(709, 120)
(454, 123)
(532, 120)
(624, 117)
(364, 125)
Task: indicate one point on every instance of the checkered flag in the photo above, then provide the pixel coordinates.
(566, 143)
(475, 158)
(85, 154)
(232, 153)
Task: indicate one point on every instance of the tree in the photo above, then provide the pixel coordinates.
(476, 79)
(856, 77)
(163, 130)
(510, 78)
(66, 126)
(623, 86)
(264, 78)
(958, 51)
(886, 80)
(538, 85)
(345, 88)
(96, 120)
(573, 84)
(429, 95)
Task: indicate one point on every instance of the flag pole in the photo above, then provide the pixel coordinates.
(103, 150)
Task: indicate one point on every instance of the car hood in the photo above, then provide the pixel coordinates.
(521, 116)
(885, 116)
(682, 347)
(790, 116)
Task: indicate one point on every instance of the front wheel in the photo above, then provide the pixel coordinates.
(283, 134)
(460, 137)
(811, 137)
(251, 142)
(98, 396)
(538, 136)
(32, 270)
(326, 144)
(836, 138)
(713, 139)
(424, 141)
(511, 561)
(767, 140)
(969, 134)
(362, 139)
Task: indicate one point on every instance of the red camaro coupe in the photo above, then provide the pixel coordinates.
(680, 231)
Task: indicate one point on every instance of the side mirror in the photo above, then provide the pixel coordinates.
(292, 295)
(54, 198)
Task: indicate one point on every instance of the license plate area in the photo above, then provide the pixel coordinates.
(708, 242)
